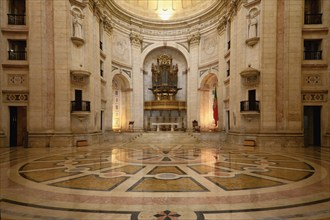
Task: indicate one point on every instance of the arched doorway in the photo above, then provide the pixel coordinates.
(121, 110)
(207, 89)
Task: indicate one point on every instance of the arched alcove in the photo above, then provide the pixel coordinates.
(172, 110)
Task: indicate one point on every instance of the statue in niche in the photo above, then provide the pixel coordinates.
(164, 78)
(77, 27)
(253, 24)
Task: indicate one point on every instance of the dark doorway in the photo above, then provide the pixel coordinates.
(228, 120)
(312, 125)
(18, 128)
(78, 99)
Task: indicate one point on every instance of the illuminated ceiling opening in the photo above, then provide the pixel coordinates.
(165, 10)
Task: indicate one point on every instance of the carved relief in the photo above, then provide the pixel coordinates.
(314, 96)
(313, 79)
(16, 97)
(16, 80)
(120, 48)
(209, 49)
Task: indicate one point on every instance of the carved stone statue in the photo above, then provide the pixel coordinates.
(253, 24)
(77, 27)
(253, 27)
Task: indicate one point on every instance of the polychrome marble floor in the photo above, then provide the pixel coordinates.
(162, 176)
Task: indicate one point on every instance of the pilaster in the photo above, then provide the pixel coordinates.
(192, 80)
(137, 81)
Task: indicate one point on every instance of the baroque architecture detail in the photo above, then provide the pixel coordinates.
(136, 39)
(16, 97)
(313, 79)
(17, 80)
(194, 39)
(314, 96)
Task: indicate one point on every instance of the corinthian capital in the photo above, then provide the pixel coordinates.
(194, 39)
(136, 39)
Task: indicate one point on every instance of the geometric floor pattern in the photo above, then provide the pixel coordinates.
(151, 178)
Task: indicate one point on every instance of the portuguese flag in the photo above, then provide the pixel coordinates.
(215, 107)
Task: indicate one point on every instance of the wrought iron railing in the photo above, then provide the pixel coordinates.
(313, 18)
(16, 55)
(16, 19)
(313, 55)
(80, 106)
(250, 106)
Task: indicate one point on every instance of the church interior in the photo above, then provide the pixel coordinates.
(164, 109)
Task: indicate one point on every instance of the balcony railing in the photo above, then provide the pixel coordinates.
(80, 106)
(313, 55)
(16, 19)
(250, 106)
(313, 18)
(16, 55)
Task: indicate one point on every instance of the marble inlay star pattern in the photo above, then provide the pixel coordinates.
(136, 182)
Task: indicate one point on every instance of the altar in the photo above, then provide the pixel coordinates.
(165, 123)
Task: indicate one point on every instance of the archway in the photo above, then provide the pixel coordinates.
(208, 83)
(121, 107)
(168, 107)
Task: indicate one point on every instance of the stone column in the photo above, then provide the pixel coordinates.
(137, 81)
(192, 81)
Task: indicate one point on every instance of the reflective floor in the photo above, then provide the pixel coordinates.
(165, 176)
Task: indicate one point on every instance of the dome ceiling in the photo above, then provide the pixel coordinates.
(165, 10)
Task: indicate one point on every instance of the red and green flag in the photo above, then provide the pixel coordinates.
(215, 107)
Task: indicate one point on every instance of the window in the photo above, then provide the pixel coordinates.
(101, 35)
(101, 68)
(17, 50)
(16, 15)
(228, 35)
(312, 50)
(313, 13)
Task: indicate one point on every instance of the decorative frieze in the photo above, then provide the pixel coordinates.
(15, 96)
(222, 24)
(313, 79)
(17, 80)
(320, 96)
